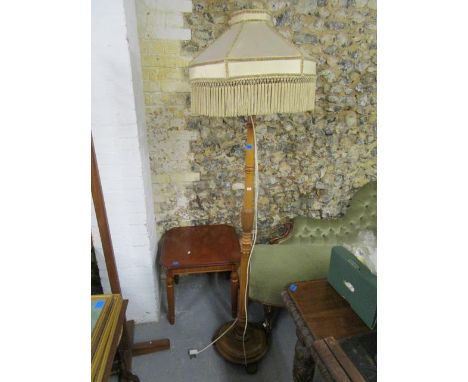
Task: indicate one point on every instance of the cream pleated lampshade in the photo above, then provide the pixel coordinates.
(251, 70)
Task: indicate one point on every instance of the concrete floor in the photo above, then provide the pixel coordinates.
(202, 305)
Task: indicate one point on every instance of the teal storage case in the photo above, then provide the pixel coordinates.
(355, 282)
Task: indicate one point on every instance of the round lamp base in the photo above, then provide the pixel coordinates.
(231, 346)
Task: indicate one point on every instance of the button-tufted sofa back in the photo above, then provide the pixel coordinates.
(361, 215)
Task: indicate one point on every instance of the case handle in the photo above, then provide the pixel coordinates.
(349, 286)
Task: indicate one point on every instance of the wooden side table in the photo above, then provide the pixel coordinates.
(200, 249)
(318, 312)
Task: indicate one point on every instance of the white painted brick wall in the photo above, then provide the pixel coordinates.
(119, 131)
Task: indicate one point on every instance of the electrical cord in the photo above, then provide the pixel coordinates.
(195, 352)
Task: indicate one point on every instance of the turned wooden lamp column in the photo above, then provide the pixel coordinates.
(235, 346)
(249, 70)
(247, 217)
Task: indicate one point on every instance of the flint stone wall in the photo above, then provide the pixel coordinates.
(310, 163)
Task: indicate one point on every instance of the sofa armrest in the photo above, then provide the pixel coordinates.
(284, 233)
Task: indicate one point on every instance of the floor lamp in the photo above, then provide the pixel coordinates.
(249, 70)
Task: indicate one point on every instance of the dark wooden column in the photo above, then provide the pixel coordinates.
(101, 216)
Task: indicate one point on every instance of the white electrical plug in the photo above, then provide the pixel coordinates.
(193, 353)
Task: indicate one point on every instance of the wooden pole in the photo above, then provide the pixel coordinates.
(246, 343)
(247, 218)
(101, 217)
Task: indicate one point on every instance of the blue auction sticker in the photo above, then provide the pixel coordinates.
(175, 262)
(99, 304)
(293, 287)
(248, 146)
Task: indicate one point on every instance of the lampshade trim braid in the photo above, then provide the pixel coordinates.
(266, 58)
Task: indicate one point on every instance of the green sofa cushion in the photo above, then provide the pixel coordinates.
(272, 270)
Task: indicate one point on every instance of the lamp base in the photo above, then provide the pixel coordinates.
(231, 346)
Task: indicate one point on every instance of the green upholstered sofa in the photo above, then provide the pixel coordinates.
(304, 252)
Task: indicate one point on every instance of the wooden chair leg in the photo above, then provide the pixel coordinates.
(170, 298)
(234, 292)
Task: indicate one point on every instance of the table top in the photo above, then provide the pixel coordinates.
(207, 245)
(322, 310)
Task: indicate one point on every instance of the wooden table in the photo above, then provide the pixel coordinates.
(318, 312)
(200, 249)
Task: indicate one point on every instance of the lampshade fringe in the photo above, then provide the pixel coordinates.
(253, 96)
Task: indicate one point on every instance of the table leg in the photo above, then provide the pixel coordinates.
(234, 292)
(170, 298)
(304, 365)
